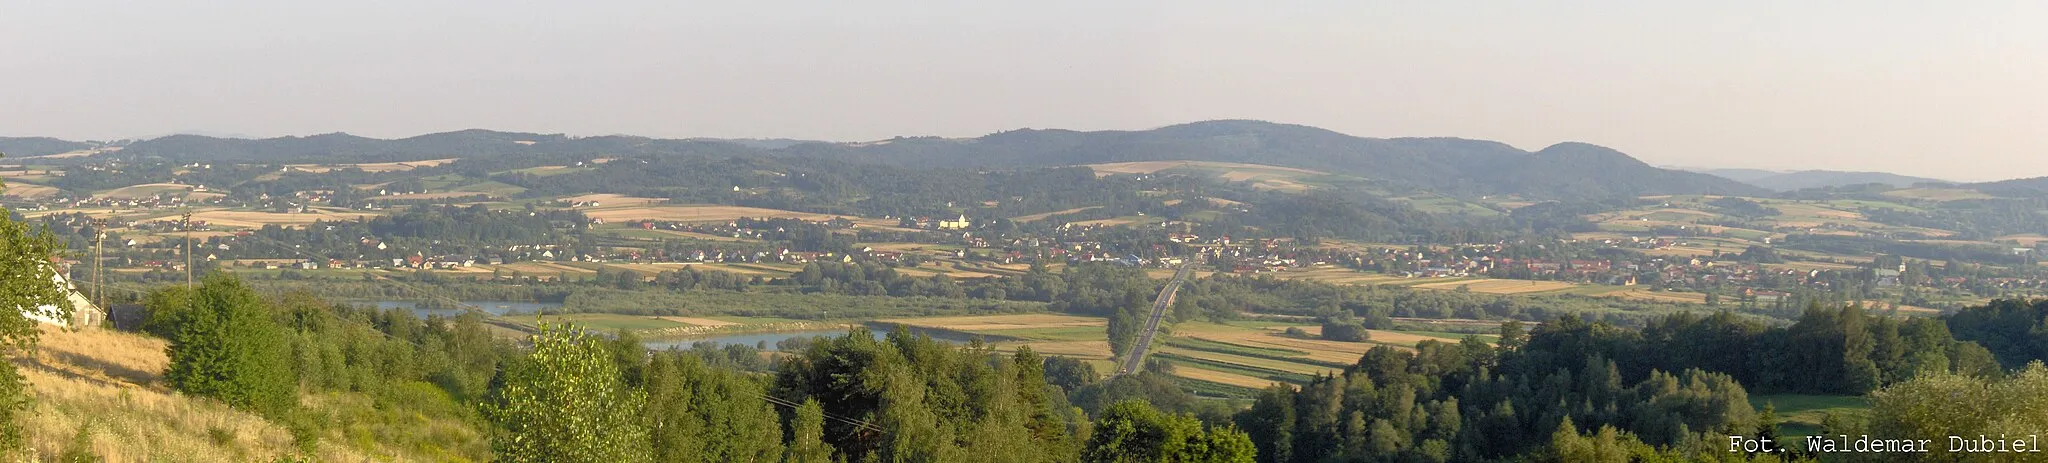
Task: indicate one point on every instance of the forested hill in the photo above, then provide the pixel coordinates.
(1790, 181)
(2023, 187)
(16, 147)
(341, 147)
(1445, 165)
(1448, 165)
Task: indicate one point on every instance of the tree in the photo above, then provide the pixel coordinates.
(807, 435)
(25, 276)
(566, 403)
(1132, 431)
(226, 346)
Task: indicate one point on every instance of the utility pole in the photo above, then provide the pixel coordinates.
(188, 249)
(99, 259)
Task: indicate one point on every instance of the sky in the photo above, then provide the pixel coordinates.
(1955, 90)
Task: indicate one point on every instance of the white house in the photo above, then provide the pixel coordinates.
(83, 313)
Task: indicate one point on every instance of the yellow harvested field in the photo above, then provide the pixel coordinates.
(252, 219)
(1656, 296)
(609, 199)
(1496, 286)
(1037, 217)
(1000, 322)
(699, 321)
(1196, 373)
(28, 190)
(695, 213)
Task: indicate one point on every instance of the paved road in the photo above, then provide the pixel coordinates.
(1136, 358)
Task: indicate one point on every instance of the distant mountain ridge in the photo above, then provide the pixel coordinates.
(1450, 165)
(1800, 180)
(21, 147)
(1447, 165)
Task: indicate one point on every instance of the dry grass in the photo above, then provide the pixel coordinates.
(1493, 286)
(106, 381)
(1000, 322)
(696, 213)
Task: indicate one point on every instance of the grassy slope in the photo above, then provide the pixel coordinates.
(109, 382)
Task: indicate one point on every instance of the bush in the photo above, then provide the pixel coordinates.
(227, 347)
(1345, 331)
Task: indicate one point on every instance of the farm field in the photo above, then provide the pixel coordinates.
(694, 213)
(1259, 176)
(1232, 379)
(253, 219)
(144, 190)
(440, 195)
(613, 200)
(2029, 239)
(1656, 296)
(27, 190)
(1937, 194)
(544, 269)
(1047, 334)
(1038, 217)
(372, 167)
(992, 323)
(1340, 275)
(1497, 286)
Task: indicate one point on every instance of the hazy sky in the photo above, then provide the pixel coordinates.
(1955, 89)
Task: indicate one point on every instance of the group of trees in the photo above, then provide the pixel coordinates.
(578, 396)
(1474, 401)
